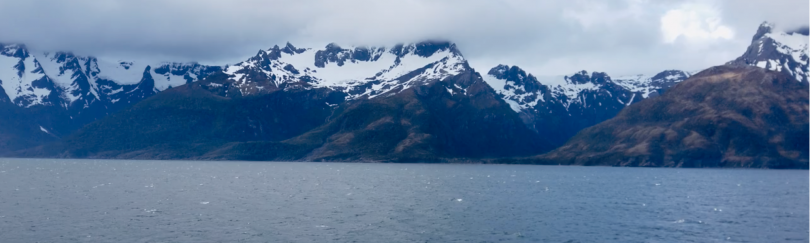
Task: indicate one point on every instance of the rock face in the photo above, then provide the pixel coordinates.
(725, 116)
(780, 51)
(417, 102)
(360, 72)
(189, 120)
(50, 95)
(559, 107)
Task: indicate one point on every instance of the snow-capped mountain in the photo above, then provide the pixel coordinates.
(66, 80)
(653, 85)
(56, 93)
(360, 72)
(425, 93)
(63, 92)
(525, 91)
(411, 102)
(560, 106)
(780, 51)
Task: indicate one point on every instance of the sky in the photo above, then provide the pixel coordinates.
(620, 37)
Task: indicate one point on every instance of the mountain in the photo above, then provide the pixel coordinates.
(415, 102)
(780, 51)
(419, 102)
(559, 107)
(360, 72)
(57, 93)
(725, 116)
(720, 118)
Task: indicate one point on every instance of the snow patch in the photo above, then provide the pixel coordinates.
(44, 130)
(385, 71)
(20, 84)
(513, 104)
(644, 83)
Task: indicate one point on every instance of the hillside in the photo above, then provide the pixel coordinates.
(725, 116)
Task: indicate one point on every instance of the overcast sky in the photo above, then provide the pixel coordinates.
(544, 37)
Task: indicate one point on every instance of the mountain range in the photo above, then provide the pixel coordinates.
(419, 102)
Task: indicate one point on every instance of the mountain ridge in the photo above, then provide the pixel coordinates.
(417, 102)
(558, 109)
(427, 113)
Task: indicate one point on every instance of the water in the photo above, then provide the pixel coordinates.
(174, 201)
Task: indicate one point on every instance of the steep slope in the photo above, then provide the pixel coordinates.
(435, 122)
(17, 131)
(778, 51)
(188, 120)
(559, 107)
(725, 116)
(417, 102)
(62, 92)
(361, 72)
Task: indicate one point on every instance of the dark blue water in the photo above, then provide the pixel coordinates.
(173, 201)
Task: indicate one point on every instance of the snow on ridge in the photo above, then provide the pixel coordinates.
(645, 83)
(637, 83)
(790, 56)
(568, 91)
(572, 90)
(19, 83)
(519, 98)
(65, 68)
(384, 67)
(333, 75)
(793, 45)
(793, 42)
(552, 80)
(122, 73)
(516, 95)
(499, 85)
(89, 78)
(449, 65)
(442, 65)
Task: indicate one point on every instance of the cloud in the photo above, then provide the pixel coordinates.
(694, 21)
(544, 37)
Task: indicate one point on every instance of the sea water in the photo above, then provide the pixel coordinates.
(47, 200)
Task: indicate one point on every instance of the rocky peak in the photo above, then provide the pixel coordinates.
(763, 29)
(360, 71)
(14, 50)
(779, 51)
(513, 73)
(425, 48)
(671, 75)
(428, 48)
(271, 54)
(516, 79)
(291, 49)
(274, 53)
(333, 53)
(582, 77)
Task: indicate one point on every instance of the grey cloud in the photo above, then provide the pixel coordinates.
(545, 37)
